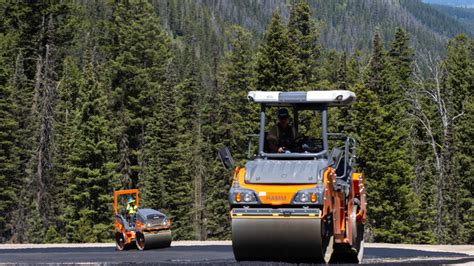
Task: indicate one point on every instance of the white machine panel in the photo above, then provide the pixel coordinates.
(331, 98)
(263, 96)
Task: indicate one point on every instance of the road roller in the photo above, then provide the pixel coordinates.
(302, 200)
(143, 228)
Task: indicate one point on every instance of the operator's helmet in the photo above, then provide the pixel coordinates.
(130, 200)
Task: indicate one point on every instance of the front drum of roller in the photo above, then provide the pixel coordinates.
(281, 239)
(156, 239)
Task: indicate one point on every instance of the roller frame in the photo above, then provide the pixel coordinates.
(349, 244)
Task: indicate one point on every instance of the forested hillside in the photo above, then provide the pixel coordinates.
(99, 96)
(463, 15)
(454, 3)
(349, 25)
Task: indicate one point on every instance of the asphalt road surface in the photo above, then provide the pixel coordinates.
(215, 253)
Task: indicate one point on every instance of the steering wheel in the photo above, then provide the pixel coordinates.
(307, 144)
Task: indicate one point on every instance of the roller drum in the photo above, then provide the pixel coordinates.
(280, 239)
(150, 240)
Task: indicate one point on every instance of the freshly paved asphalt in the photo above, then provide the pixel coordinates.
(213, 254)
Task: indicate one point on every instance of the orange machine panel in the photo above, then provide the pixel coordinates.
(273, 194)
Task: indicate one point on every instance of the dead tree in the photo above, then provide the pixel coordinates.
(47, 87)
(438, 127)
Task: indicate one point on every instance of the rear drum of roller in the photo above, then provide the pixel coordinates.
(281, 239)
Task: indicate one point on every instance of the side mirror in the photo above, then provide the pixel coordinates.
(226, 158)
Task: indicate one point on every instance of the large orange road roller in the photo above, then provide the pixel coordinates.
(145, 229)
(304, 202)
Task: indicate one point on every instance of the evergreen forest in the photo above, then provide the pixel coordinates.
(97, 96)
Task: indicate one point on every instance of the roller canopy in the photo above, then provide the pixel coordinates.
(278, 98)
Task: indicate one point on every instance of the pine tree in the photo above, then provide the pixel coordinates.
(227, 118)
(161, 147)
(465, 170)
(394, 204)
(376, 70)
(304, 37)
(90, 166)
(355, 68)
(236, 78)
(139, 51)
(400, 80)
(328, 72)
(342, 82)
(183, 206)
(458, 88)
(389, 196)
(78, 82)
(368, 122)
(43, 102)
(439, 103)
(401, 62)
(67, 94)
(21, 96)
(19, 31)
(277, 68)
(340, 119)
(9, 159)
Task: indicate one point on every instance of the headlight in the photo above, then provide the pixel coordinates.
(309, 196)
(249, 197)
(165, 222)
(243, 196)
(304, 197)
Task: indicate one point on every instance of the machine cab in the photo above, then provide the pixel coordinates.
(308, 155)
(297, 102)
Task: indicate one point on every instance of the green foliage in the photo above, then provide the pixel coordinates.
(277, 68)
(464, 15)
(227, 119)
(394, 204)
(236, 78)
(90, 169)
(466, 172)
(304, 37)
(399, 73)
(183, 206)
(368, 120)
(139, 51)
(376, 70)
(35, 231)
(134, 94)
(164, 183)
(161, 147)
(458, 88)
(349, 25)
(64, 112)
(52, 236)
(9, 160)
